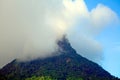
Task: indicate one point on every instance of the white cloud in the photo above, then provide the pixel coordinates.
(24, 29)
(88, 24)
(102, 16)
(30, 28)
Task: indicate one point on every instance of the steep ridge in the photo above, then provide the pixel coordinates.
(67, 64)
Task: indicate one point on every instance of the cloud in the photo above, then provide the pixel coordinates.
(102, 16)
(25, 29)
(30, 28)
(88, 24)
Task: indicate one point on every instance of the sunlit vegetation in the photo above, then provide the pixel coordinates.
(49, 78)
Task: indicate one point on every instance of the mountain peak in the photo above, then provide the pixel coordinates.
(61, 67)
(65, 46)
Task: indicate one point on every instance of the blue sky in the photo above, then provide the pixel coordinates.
(109, 38)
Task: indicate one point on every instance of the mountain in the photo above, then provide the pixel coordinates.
(67, 65)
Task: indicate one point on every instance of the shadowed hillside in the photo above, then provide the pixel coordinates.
(68, 65)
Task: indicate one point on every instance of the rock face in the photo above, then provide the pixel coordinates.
(67, 64)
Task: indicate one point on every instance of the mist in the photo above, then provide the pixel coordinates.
(29, 29)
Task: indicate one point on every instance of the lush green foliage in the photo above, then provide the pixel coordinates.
(49, 78)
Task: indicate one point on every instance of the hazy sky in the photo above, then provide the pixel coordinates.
(30, 28)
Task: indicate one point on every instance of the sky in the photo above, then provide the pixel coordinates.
(29, 29)
(109, 38)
